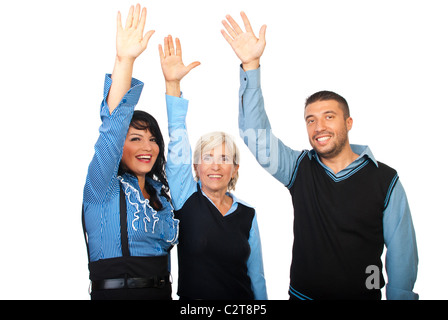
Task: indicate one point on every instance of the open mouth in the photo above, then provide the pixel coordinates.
(214, 176)
(144, 158)
(323, 139)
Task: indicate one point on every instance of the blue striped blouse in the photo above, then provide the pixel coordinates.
(150, 232)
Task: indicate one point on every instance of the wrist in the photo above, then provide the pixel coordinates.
(124, 60)
(173, 88)
(251, 65)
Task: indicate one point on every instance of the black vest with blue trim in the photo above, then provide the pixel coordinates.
(213, 250)
(338, 229)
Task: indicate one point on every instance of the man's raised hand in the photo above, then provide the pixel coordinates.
(246, 45)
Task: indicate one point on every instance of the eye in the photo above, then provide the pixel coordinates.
(310, 121)
(135, 139)
(330, 117)
(225, 159)
(206, 158)
(153, 140)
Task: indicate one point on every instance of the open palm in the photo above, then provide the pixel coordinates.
(245, 44)
(171, 61)
(130, 40)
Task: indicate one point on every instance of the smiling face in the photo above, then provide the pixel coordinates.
(140, 152)
(216, 168)
(327, 128)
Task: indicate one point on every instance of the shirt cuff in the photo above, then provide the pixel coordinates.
(400, 294)
(251, 78)
(130, 99)
(176, 109)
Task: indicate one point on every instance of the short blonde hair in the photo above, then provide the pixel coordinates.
(215, 139)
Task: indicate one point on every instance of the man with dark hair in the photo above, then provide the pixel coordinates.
(329, 95)
(347, 205)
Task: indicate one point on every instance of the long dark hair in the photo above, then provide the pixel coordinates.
(142, 120)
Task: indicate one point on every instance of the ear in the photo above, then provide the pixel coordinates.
(235, 169)
(195, 167)
(349, 123)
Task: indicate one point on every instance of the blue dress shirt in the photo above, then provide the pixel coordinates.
(150, 232)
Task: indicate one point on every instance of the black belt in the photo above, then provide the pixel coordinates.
(131, 283)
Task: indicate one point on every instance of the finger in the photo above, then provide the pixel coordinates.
(136, 16)
(235, 25)
(142, 22)
(119, 25)
(246, 22)
(129, 18)
(171, 45)
(193, 65)
(178, 48)
(161, 54)
(166, 46)
(147, 36)
(262, 34)
(229, 29)
(227, 37)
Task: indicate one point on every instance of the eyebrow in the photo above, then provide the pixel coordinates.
(326, 112)
(140, 135)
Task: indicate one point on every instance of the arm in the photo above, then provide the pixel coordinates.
(115, 120)
(179, 162)
(255, 129)
(255, 268)
(109, 146)
(401, 255)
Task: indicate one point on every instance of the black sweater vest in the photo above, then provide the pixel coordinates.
(213, 250)
(338, 229)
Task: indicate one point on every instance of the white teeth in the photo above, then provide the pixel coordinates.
(144, 157)
(323, 139)
(215, 176)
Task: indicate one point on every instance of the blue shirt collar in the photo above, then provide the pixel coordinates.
(362, 151)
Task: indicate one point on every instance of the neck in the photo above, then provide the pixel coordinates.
(219, 198)
(340, 161)
(141, 184)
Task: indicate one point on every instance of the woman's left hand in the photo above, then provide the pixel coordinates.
(172, 66)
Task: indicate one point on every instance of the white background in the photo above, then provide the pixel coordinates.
(387, 58)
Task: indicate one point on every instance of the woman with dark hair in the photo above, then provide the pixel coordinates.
(127, 214)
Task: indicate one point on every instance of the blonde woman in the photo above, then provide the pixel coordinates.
(219, 244)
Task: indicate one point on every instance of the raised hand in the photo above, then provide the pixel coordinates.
(173, 67)
(130, 40)
(246, 45)
(130, 44)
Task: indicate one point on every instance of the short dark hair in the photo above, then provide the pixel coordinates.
(142, 120)
(329, 95)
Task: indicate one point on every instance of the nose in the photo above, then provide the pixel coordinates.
(215, 165)
(148, 145)
(320, 126)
